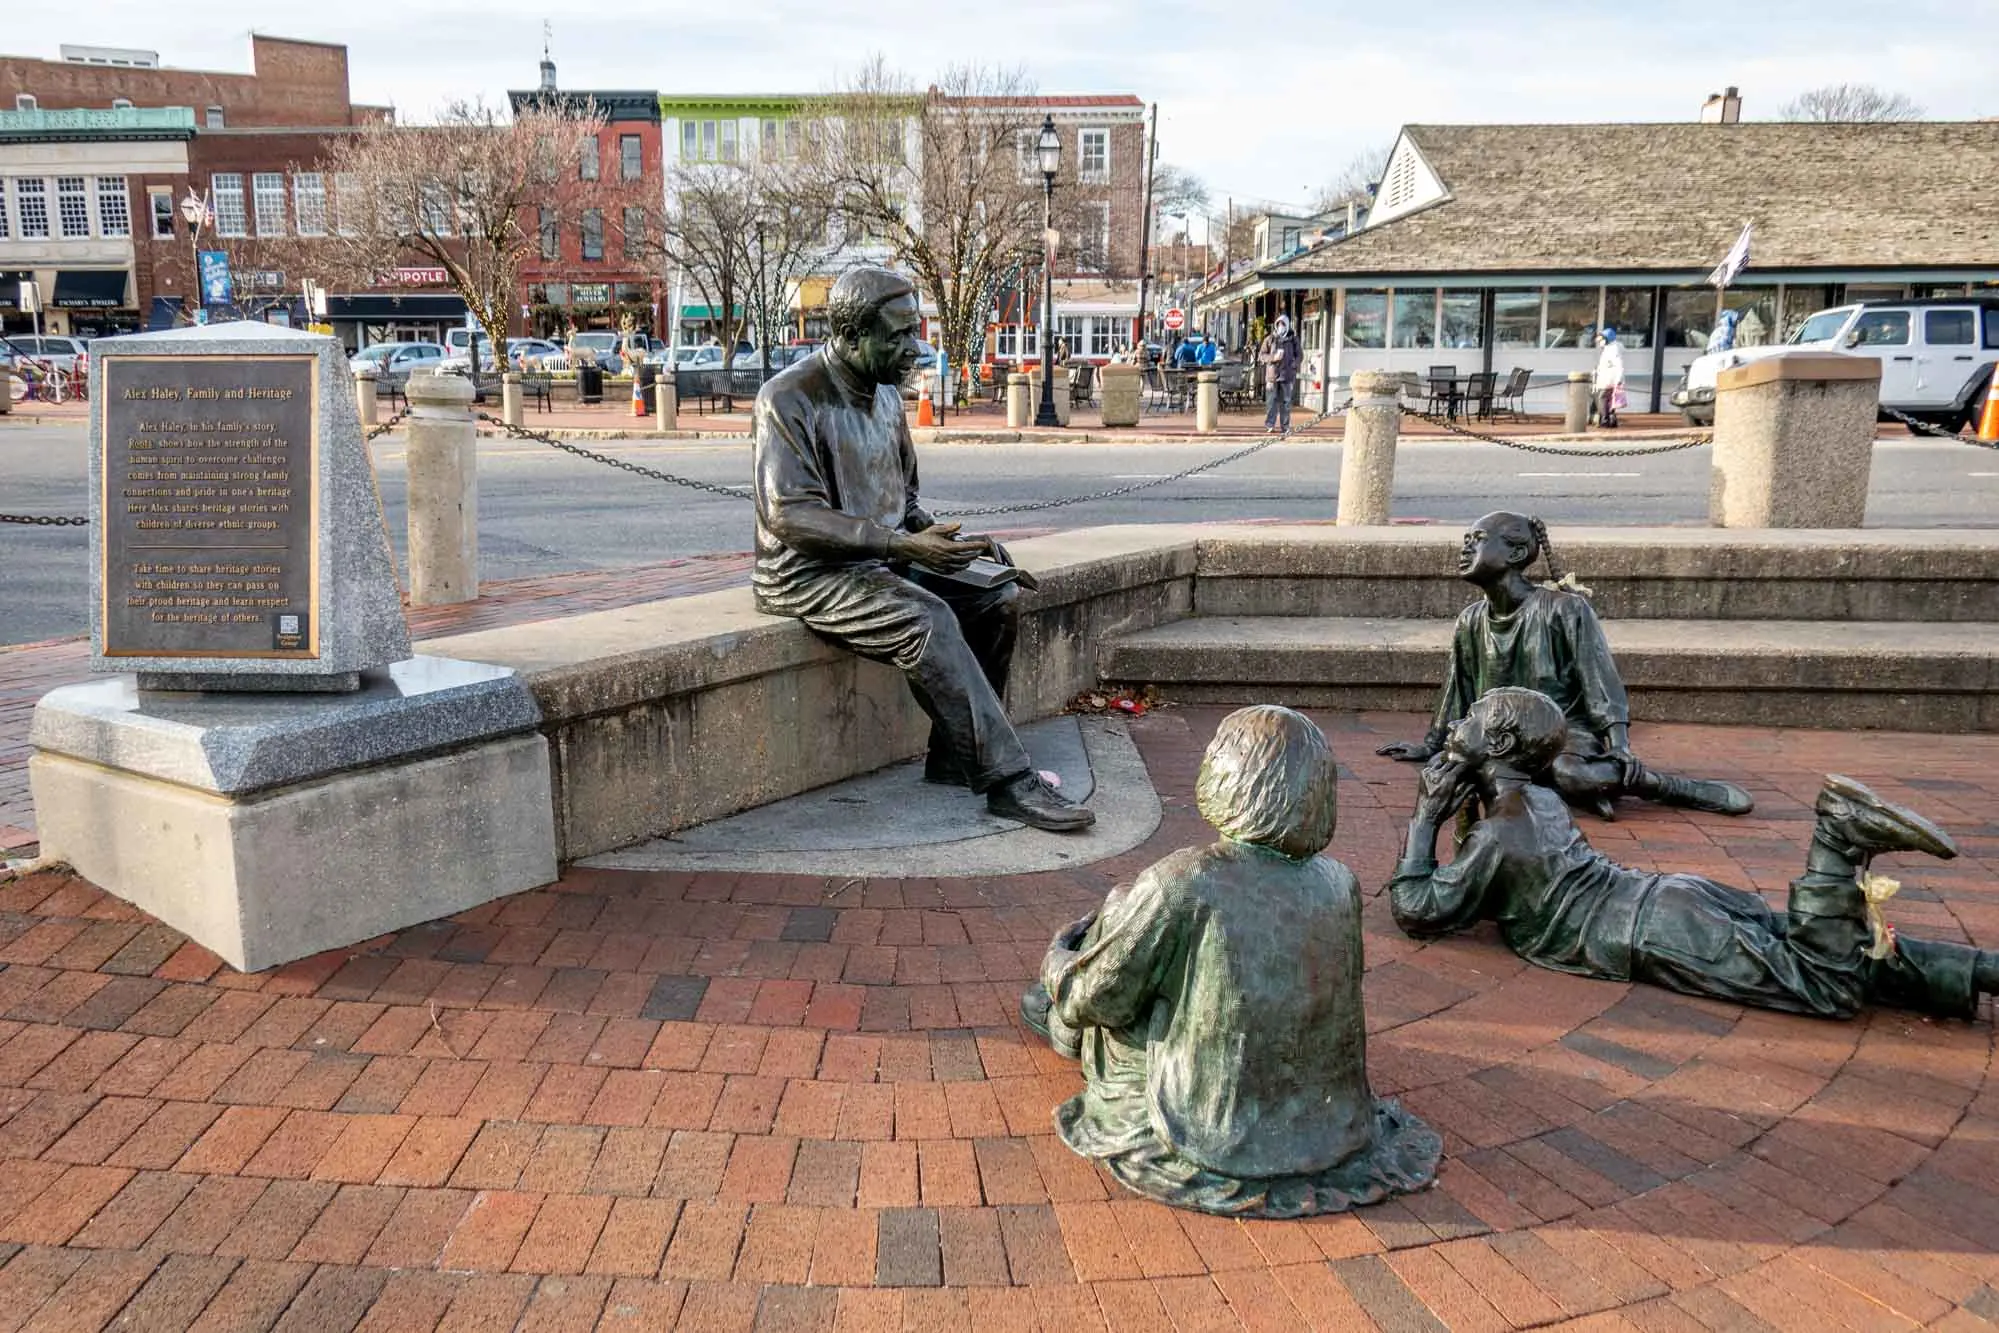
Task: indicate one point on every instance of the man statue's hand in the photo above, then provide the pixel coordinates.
(1443, 786)
(937, 548)
(1409, 752)
(1627, 764)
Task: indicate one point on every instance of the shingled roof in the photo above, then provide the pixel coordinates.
(1672, 198)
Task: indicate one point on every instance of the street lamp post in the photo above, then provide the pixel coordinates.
(1048, 154)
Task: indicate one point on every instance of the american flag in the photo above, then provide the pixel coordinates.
(1735, 261)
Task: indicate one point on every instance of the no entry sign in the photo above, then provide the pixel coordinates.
(1176, 319)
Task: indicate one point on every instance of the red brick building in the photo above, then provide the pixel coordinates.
(592, 273)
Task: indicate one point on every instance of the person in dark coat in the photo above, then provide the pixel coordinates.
(1563, 905)
(1279, 356)
(844, 544)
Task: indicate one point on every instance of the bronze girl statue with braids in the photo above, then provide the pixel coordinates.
(1547, 638)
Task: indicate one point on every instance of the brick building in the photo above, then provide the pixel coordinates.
(590, 275)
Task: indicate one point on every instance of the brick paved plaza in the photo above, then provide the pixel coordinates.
(738, 1102)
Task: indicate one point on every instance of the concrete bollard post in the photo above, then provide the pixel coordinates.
(443, 491)
(6, 390)
(1019, 411)
(667, 390)
(1367, 452)
(1575, 415)
(1120, 394)
(365, 397)
(1794, 441)
(511, 411)
(1207, 402)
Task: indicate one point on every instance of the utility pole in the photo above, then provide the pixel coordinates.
(1145, 224)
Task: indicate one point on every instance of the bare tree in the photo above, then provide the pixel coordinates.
(944, 178)
(1176, 193)
(708, 224)
(472, 194)
(1850, 102)
(1355, 180)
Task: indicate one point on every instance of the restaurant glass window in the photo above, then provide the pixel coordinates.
(1516, 319)
(230, 217)
(557, 293)
(267, 191)
(1572, 316)
(1415, 323)
(1367, 313)
(114, 207)
(1460, 315)
(1629, 311)
(73, 206)
(631, 293)
(1758, 307)
(1071, 330)
(309, 202)
(593, 233)
(630, 164)
(1103, 332)
(1802, 300)
(1690, 315)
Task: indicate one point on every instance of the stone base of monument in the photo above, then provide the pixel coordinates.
(269, 828)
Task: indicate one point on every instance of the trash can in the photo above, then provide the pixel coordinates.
(644, 377)
(590, 382)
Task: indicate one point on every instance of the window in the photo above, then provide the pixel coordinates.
(630, 164)
(4, 232)
(707, 141)
(888, 141)
(1072, 330)
(1991, 327)
(1093, 157)
(729, 128)
(557, 293)
(1291, 240)
(631, 293)
(346, 202)
(1415, 319)
(121, 104)
(690, 140)
(1516, 319)
(593, 233)
(1460, 319)
(551, 237)
(1016, 340)
(1572, 316)
(161, 205)
(1882, 328)
(586, 158)
(1690, 314)
(31, 197)
(1802, 300)
(214, 119)
(1367, 312)
(1758, 308)
(1629, 311)
(24, 101)
(230, 219)
(635, 233)
(73, 206)
(1947, 328)
(114, 207)
(436, 209)
(1094, 246)
(1103, 335)
(267, 189)
(1024, 153)
(773, 139)
(309, 202)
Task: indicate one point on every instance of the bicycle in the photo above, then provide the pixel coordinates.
(41, 382)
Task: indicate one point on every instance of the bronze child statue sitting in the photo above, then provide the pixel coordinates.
(1563, 905)
(1215, 1004)
(1549, 639)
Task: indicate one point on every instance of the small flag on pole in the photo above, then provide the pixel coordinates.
(1735, 261)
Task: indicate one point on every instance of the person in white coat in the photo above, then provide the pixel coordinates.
(1608, 381)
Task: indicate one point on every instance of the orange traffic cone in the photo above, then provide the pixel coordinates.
(638, 395)
(926, 415)
(1988, 423)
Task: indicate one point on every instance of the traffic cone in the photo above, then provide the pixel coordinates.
(926, 415)
(1988, 423)
(638, 395)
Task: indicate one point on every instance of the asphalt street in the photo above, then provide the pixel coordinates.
(544, 512)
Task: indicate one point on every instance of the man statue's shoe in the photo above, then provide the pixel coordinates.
(1034, 1006)
(1036, 804)
(1716, 798)
(941, 768)
(1865, 825)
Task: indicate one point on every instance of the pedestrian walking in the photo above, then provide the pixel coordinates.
(1608, 382)
(1279, 357)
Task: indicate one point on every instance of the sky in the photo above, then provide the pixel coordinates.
(1265, 101)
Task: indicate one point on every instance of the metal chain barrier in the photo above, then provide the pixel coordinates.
(1925, 428)
(1558, 451)
(82, 520)
(523, 433)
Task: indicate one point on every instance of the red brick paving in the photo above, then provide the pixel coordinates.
(747, 1102)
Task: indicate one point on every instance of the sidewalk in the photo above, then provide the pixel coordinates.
(775, 1102)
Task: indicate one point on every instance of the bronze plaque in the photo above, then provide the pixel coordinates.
(209, 507)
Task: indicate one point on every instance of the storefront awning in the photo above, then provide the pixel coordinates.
(370, 307)
(10, 286)
(708, 312)
(89, 289)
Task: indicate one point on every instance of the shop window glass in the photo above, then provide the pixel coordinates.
(1415, 318)
(1367, 313)
(1516, 319)
(1758, 307)
(1689, 317)
(1460, 319)
(1629, 311)
(1572, 314)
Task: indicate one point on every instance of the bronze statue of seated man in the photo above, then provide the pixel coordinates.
(844, 544)
(1547, 638)
(1215, 1004)
(1563, 905)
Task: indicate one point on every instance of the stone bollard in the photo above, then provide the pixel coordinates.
(1207, 402)
(6, 390)
(1367, 452)
(666, 389)
(510, 400)
(1794, 441)
(443, 491)
(1061, 397)
(1019, 410)
(1119, 387)
(1575, 417)
(365, 397)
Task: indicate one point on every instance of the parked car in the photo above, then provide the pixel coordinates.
(395, 361)
(1936, 356)
(746, 371)
(57, 352)
(529, 353)
(600, 346)
(692, 358)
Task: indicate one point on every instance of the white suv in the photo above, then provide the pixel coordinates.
(1936, 356)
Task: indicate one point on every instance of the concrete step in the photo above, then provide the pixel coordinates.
(1856, 674)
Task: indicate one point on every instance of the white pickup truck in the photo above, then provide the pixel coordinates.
(1936, 356)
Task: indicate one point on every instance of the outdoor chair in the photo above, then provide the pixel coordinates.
(1441, 392)
(1512, 397)
(1158, 396)
(537, 388)
(1082, 383)
(1478, 393)
(1232, 380)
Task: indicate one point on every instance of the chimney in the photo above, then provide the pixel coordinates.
(1724, 108)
